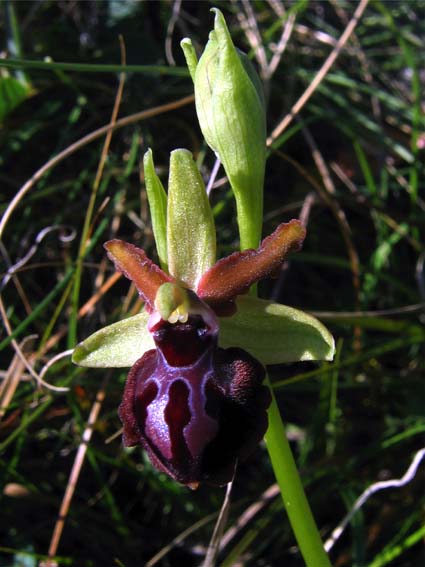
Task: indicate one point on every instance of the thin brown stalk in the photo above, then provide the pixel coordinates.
(170, 30)
(321, 73)
(179, 539)
(249, 514)
(91, 137)
(304, 215)
(88, 306)
(301, 170)
(74, 475)
(82, 312)
(249, 25)
(15, 279)
(328, 195)
(281, 46)
(376, 107)
(214, 546)
(277, 7)
(13, 377)
(18, 351)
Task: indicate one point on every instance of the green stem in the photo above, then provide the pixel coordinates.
(292, 491)
(94, 67)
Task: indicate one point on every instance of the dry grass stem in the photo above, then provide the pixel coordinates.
(75, 473)
(327, 65)
(408, 476)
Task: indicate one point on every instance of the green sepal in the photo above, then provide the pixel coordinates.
(157, 198)
(116, 346)
(231, 114)
(191, 241)
(275, 333)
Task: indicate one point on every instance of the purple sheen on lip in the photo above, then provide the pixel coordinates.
(172, 426)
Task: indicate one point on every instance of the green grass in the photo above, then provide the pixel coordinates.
(350, 423)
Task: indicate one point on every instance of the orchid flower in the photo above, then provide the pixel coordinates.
(194, 398)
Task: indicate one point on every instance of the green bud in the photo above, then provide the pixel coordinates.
(231, 114)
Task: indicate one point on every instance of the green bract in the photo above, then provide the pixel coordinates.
(231, 114)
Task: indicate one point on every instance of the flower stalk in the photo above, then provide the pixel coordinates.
(292, 491)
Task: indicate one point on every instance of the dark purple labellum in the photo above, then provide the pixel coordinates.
(195, 408)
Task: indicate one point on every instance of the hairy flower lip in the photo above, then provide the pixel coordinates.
(226, 408)
(194, 407)
(155, 429)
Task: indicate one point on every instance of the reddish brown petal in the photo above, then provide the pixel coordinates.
(136, 266)
(233, 275)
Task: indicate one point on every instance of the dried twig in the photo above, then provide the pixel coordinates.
(180, 538)
(372, 489)
(321, 73)
(249, 25)
(329, 197)
(376, 107)
(249, 514)
(13, 377)
(82, 449)
(281, 46)
(214, 545)
(74, 475)
(170, 30)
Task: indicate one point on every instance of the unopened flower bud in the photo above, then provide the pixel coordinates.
(231, 114)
